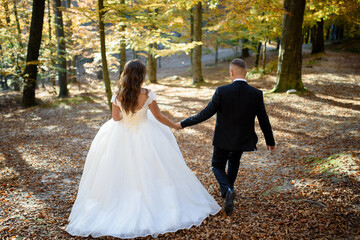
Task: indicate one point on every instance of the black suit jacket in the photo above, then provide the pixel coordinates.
(236, 106)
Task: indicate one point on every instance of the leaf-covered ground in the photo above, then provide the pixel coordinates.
(308, 189)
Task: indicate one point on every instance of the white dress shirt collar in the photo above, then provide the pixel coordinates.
(239, 79)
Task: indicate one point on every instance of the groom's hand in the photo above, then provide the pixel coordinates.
(178, 126)
(271, 148)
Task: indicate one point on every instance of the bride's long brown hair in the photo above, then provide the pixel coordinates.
(130, 83)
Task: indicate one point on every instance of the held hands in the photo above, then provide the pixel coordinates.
(271, 148)
(178, 126)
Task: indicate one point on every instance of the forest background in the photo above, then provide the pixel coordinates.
(59, 63)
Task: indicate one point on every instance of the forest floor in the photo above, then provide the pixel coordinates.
(308, 189)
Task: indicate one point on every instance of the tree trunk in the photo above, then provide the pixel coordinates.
(103, 54)
(197, 71)
(192, 36)
(244, 50)
(1, 70)
(332, 32)
(318, 41)
(72, 62)
(290, 53)
(264, 56)
(133, 54)
(122, 55)
(17, 80)
(122, 45)
(63, 92)
(277, 43)
(3, 80)
(341, 32)
(307, 35)
(328, 34)
(51, 62)
(216, 53)
(30, 73)
(311, 35)
(17, 24)
(257, 57)
(73, 74)
(7, 12)
(49, 19)
(151, 63)
(14, 59)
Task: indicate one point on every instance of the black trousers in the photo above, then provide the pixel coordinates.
(219, 160)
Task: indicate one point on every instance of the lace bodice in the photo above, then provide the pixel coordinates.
(134, 119)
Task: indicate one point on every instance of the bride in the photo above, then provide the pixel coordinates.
(135, 181)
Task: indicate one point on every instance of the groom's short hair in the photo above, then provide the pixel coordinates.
(239, 63)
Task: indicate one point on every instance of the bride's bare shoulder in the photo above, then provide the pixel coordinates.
(145, 91)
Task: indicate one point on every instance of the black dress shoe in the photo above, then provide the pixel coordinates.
(229, 201)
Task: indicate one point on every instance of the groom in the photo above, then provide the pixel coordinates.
(236, 105)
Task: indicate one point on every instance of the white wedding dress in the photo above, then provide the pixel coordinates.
(136, 183)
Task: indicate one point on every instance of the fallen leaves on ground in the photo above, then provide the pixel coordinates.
(308, 189)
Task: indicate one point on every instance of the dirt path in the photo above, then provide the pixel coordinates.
(291, 194)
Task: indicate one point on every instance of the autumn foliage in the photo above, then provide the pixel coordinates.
(308, 189)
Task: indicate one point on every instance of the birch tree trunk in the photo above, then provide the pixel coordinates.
(264, 56)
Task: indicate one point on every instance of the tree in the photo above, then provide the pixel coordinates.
(318, 38)
(70, 45)
(63, 92)
(17, 23)
(257, 56)
(151, 60)
(244, 48)
(50, 47)
(264, 56)
(334, 14)
(122, 44)
(17, 67)
(191, 36)
(151, 26)
(103, 53)
(151, 63)
(248, 24)
(316, 12)
(290, 53)
(15, 43)
(30, 73)
(197, 71)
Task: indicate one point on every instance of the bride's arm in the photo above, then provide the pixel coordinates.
(116, 113)
(154, 108)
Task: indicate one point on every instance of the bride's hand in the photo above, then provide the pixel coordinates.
(178, 126)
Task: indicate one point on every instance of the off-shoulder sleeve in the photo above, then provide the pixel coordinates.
(152, 96)
(113, 98)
